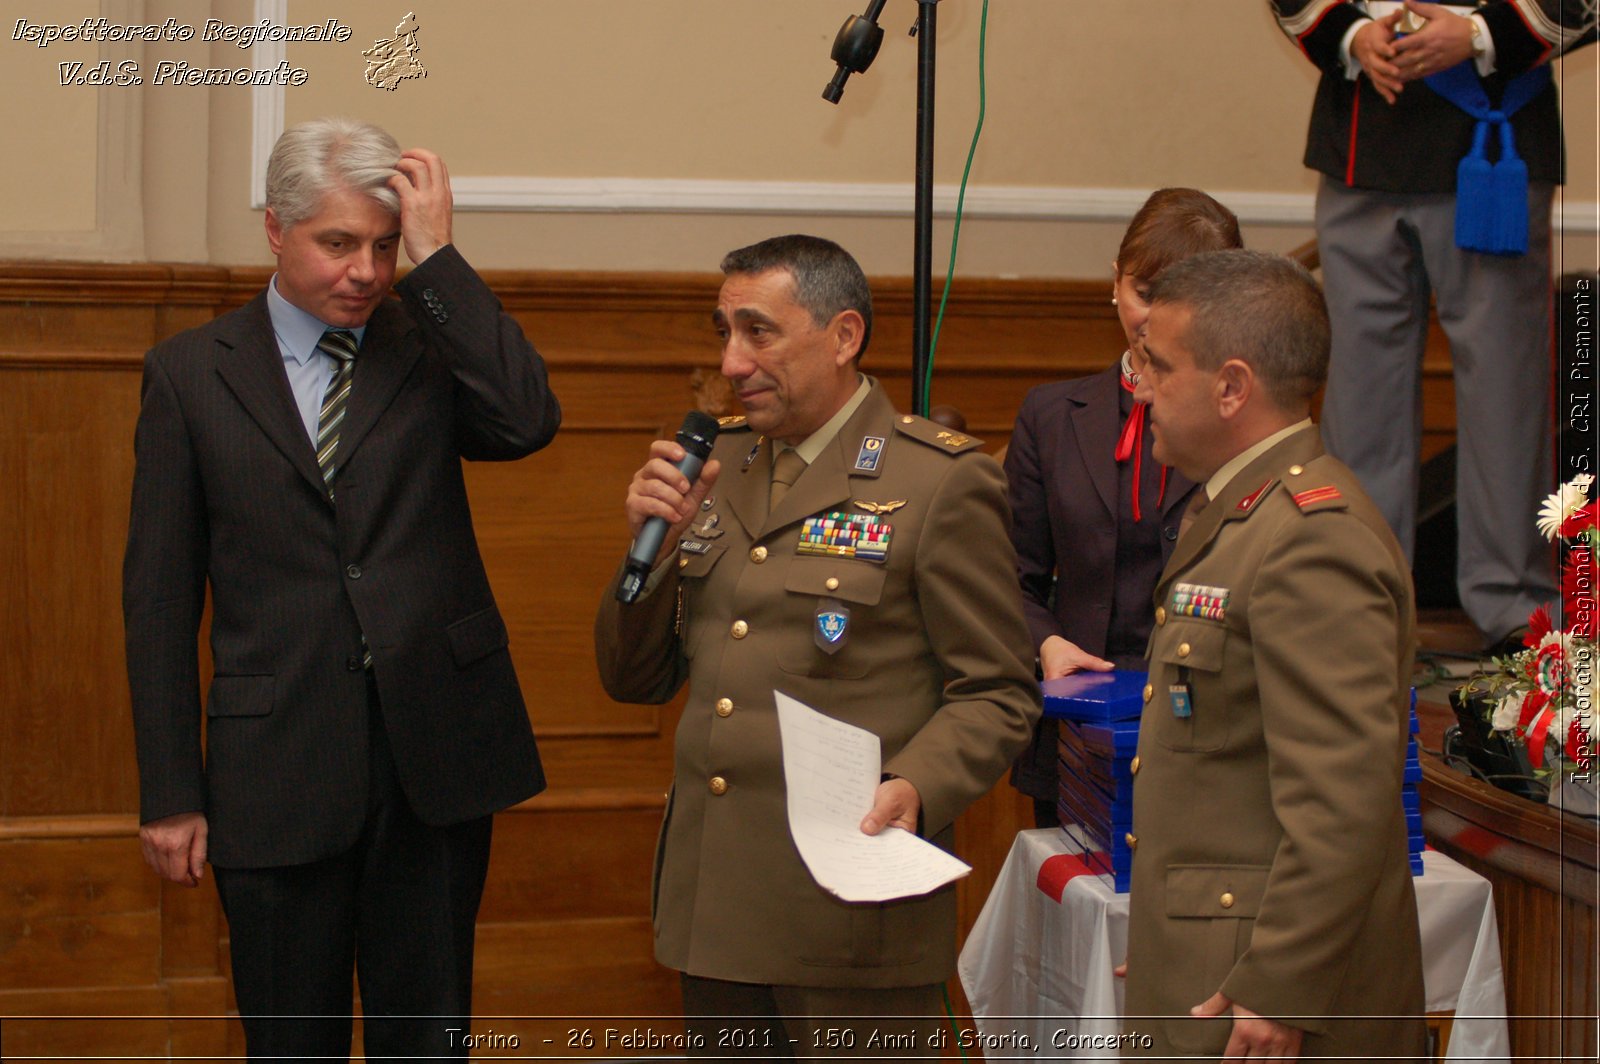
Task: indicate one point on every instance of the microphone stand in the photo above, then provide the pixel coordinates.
(854, 48)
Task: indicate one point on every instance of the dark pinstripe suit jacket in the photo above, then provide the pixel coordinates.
(227, 492)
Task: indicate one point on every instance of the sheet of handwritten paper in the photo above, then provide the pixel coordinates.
(831, 770)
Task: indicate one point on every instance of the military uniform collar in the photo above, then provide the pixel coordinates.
(1219, 481)
(813, 445)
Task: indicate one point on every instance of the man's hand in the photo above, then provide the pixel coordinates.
(895, 804)
(659, 490)
(423, 185)
(1253, 1035)
(1373, 46)
(1061, 657)
(175, 846)
(1442, 42)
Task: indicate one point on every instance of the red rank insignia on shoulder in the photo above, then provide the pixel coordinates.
(1327, 493)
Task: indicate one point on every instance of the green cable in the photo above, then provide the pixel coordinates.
(961, 199)
(944, 988)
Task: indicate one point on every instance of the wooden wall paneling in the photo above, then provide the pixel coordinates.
(67, 463)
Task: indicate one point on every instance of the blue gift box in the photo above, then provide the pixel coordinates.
(1095, 697)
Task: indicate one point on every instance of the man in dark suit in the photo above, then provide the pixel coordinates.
(302, 457)
(1271, 911)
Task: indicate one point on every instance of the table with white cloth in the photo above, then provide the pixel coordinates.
(1039, 969)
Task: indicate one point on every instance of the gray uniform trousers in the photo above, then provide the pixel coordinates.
(1382, 255)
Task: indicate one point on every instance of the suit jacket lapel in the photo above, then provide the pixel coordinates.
(251, 366)
(744, 487)
(1097, 424)
(389, 349)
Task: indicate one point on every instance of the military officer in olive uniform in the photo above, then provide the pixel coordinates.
(1271, 908)
(855, 559)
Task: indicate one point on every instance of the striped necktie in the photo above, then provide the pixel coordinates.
(340, 345)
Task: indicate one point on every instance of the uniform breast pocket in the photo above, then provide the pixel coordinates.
(839, 597)
(1186, 672)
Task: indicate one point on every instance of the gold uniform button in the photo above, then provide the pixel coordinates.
(724, 707)
(1296, 470)
(1133, 766)
(1132, 840)
(740, 629)
(832, 583)
(1226, 901)
(1183, 650)
(758, 554)
(1161, 615)
(683, 563)
(1148, 691)
(719, 785)
(907, 420)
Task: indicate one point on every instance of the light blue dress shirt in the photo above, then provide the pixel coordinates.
(309, 370)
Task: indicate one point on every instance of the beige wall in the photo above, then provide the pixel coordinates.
(540, 105)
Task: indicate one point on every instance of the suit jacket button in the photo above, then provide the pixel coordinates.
(1183, 650)
(719, 786)
(1226, 901)
(353, 663)
(832, 583)
(1171, 532)
(1161, 615)
(1148, 691)
(1132, 840)
(758, 554)
(740, 629)
(1133, 766)
(353, 572)
(724, 707)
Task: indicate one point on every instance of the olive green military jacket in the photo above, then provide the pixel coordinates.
(1270, 858)
(933, 658)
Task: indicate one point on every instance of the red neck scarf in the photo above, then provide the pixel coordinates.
(1131, 443)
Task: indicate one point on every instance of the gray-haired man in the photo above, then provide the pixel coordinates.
(301, 456)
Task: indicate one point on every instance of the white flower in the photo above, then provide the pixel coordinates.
(1508, 711)
(1555, 510)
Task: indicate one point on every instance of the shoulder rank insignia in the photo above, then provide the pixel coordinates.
(842, 535)
(733, 421)
(871, 453)
(882, 509)
(936, 435)
(1199, 600)
(1248, 503)
(1323, 498)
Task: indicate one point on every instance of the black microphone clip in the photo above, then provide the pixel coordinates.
(854, 48)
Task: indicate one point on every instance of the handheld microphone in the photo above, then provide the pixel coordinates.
(698, 433)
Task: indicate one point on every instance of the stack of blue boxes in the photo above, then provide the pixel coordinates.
(1099, 736)
(1408, 793)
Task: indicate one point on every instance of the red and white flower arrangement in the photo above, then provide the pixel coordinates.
(1544, 694)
